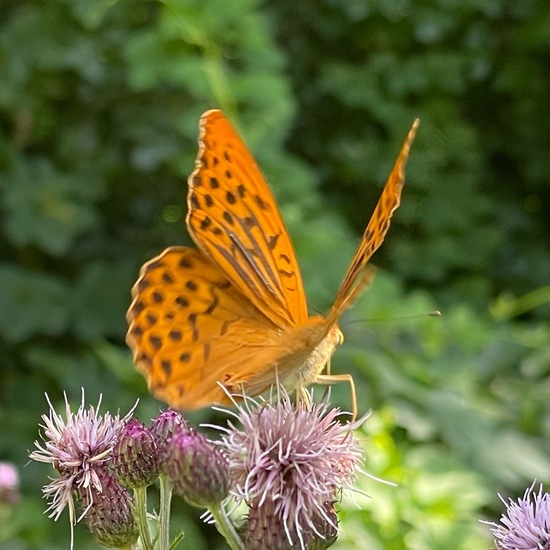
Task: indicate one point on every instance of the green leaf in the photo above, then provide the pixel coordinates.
(48, 208)
(31, 304)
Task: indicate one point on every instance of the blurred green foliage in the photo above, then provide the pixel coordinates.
(99, 105)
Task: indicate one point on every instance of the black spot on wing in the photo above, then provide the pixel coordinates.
(175, 335)
(158, 297)
(166, 366)
(194, 201)
(205, 223)
(210, 309)
(156, 342)
(272, 241)
(260, 202)
(185, 263)
(143, 284)
(192, 318)
(167, 278)
(182, 301)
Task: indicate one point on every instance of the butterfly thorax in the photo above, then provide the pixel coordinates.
(315, 344)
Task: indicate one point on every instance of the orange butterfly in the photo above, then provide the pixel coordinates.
(234, 310)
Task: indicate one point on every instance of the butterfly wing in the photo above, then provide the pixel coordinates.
(190, 328)
(236, 313)
(357, 276)
(234, 220)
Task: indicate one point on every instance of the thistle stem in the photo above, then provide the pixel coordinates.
(141, 517)
(164, 511)
(225, 527)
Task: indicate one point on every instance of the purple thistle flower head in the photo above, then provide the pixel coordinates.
(78, 447)
(135, 457)
(9, 484)
(526, 523)
(291, 461)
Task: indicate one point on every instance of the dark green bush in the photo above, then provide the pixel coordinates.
(99, 106)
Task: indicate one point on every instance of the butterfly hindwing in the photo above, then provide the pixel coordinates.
(191, 328)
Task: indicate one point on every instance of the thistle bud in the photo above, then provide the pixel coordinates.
(163, 427)
(135, 456)
(197, 469)
(109, 515)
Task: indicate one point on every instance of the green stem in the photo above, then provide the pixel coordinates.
(140, 496)
(225, 527)
(164, 511)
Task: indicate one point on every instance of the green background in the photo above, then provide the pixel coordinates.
(99, 110)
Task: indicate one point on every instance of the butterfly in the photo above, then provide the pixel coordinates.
(233, 311)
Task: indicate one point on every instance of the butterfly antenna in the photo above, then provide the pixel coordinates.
(416, 316)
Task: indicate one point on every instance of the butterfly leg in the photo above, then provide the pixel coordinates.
(327, 379)
(327, 368)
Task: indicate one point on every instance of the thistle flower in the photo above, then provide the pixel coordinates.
(9, 483)
(197, 469)
(78, 447)
(526, 523)
(289, 463)
(135, 457)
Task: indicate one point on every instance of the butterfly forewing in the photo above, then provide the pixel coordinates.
(234, 219)
(376, 230)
